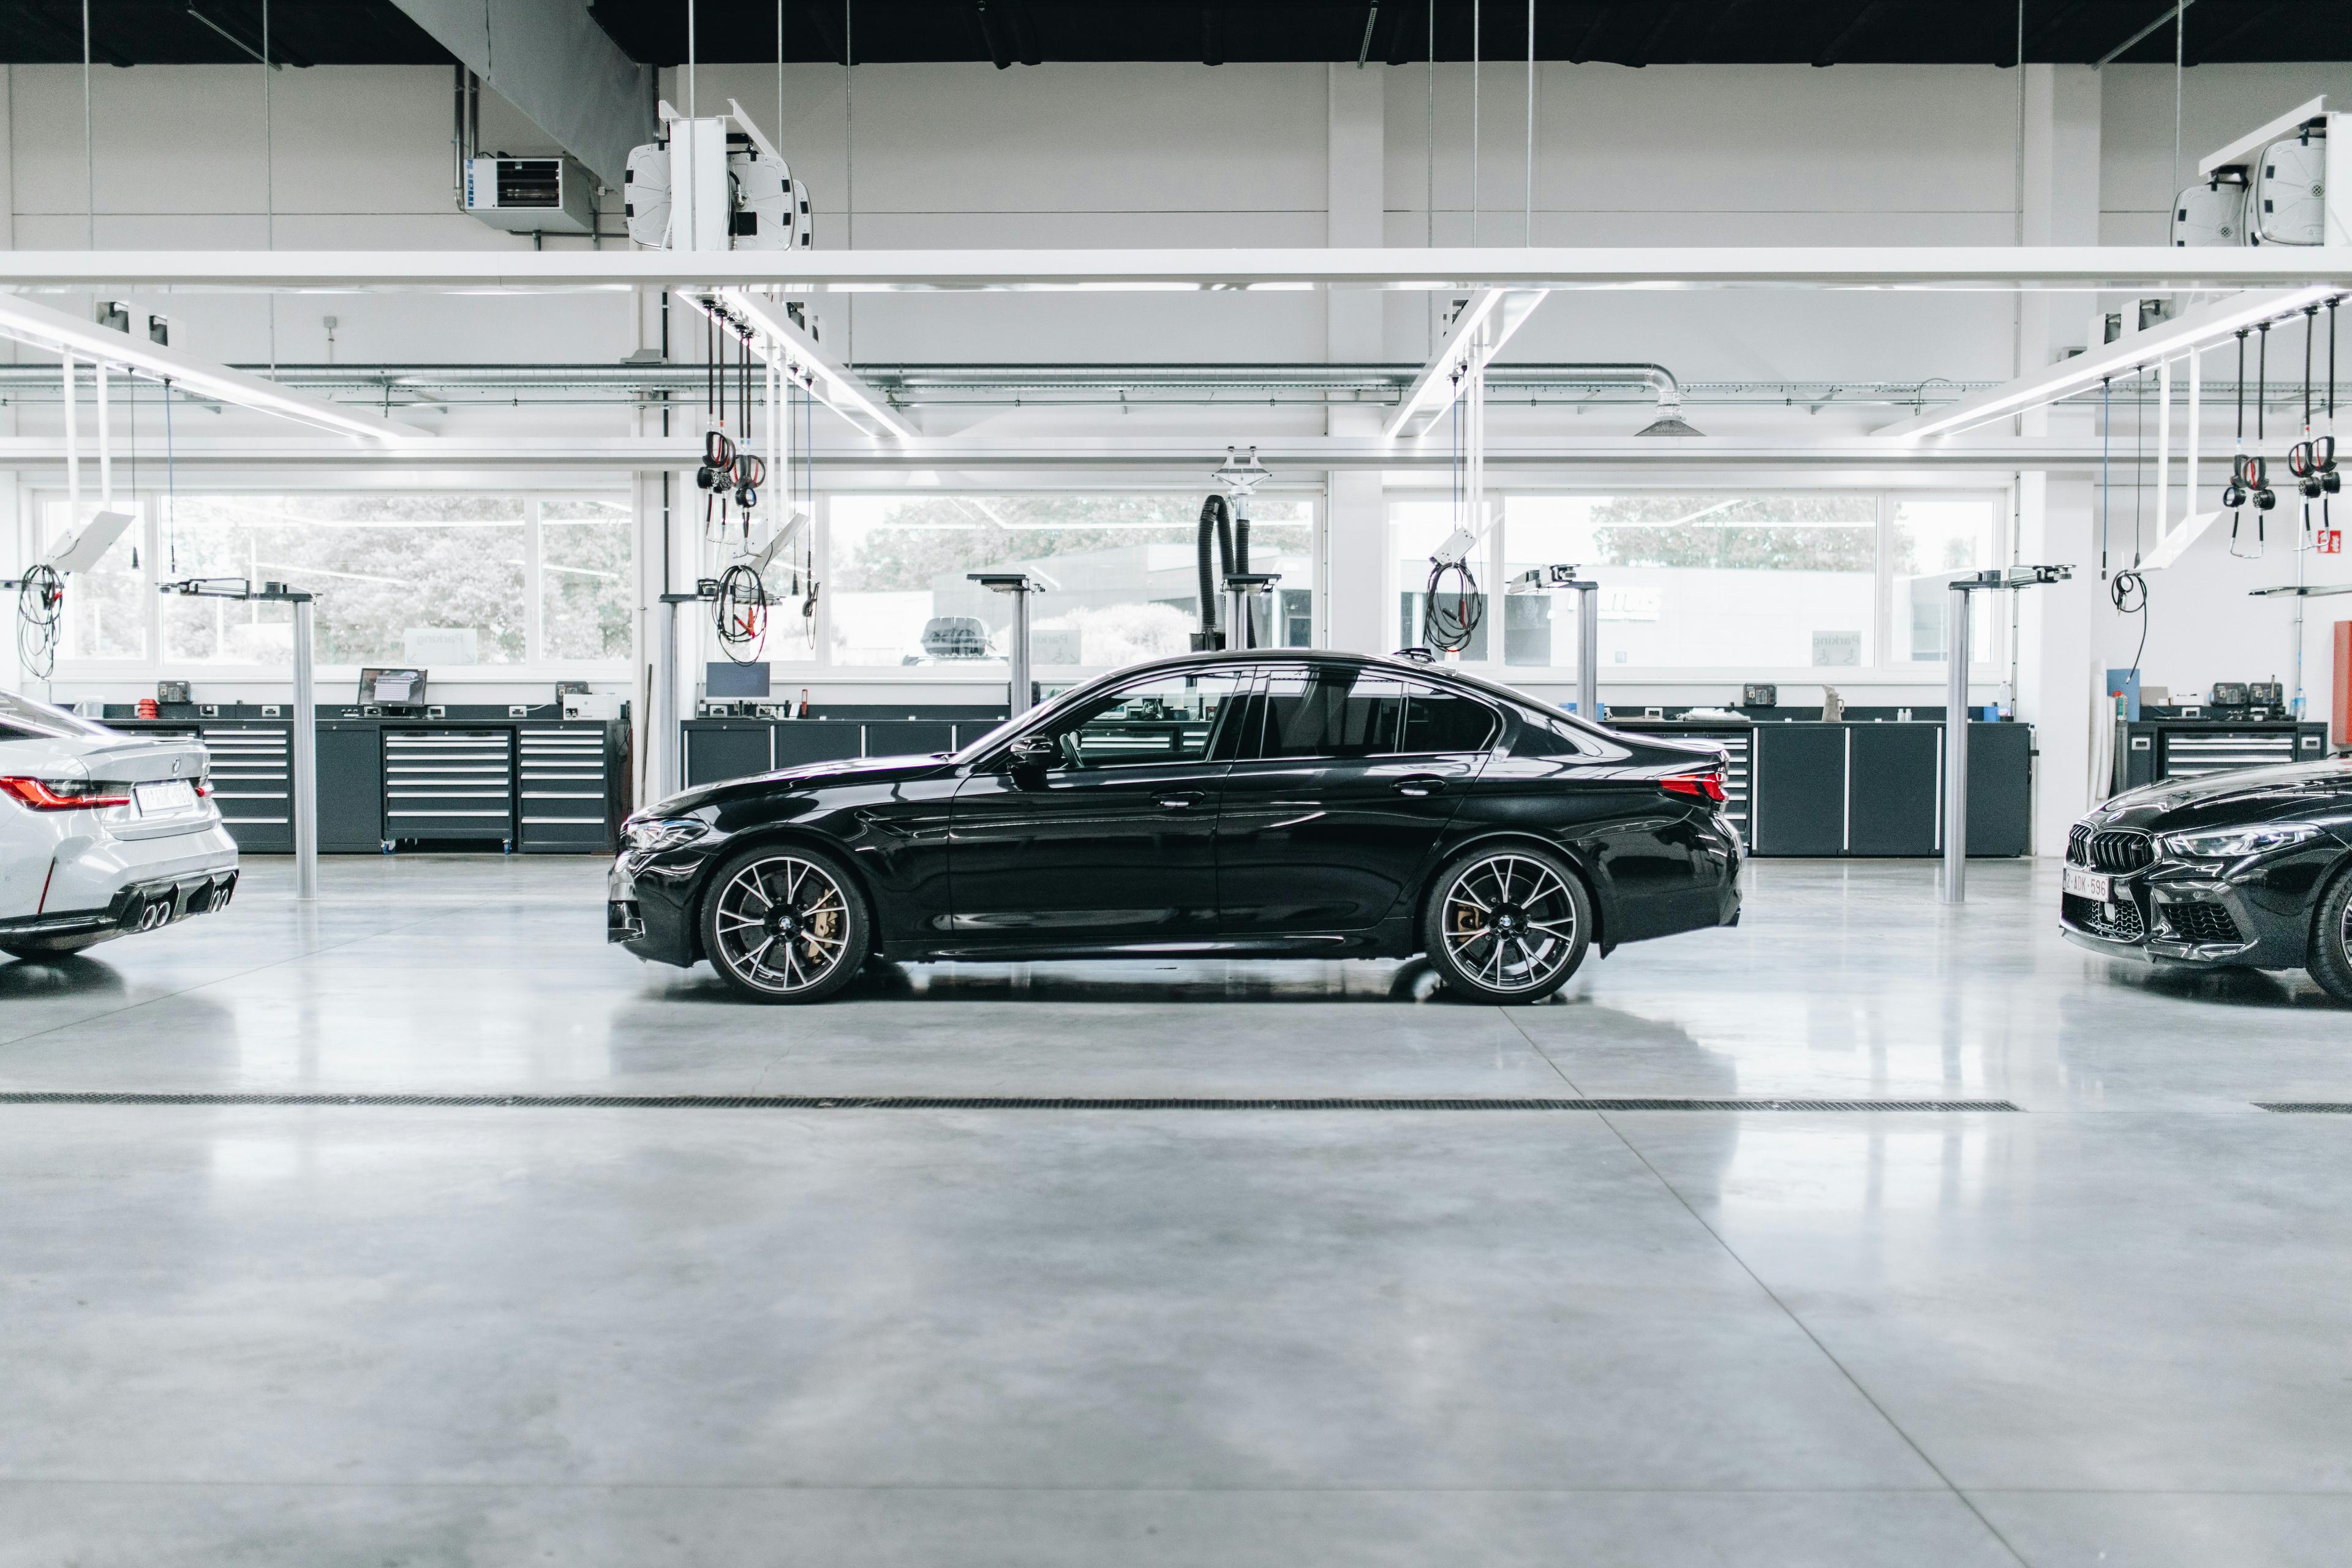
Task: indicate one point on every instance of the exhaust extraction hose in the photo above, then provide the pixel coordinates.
(1217, 517)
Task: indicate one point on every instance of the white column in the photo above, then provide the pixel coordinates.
(2056, 678)
(1356, 615)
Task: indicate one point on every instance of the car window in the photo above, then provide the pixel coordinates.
(1170, 718)
(1539, 736)
(1331, 711)
(1445, 722)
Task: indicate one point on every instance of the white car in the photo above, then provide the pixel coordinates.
(101, 833)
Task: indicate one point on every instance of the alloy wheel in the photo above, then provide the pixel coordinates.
(782, 924)
(1510, 922)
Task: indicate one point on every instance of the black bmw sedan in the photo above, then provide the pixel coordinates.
(1290, 804)
(2251, 869)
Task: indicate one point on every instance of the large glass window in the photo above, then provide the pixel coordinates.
(434, 579)
(1929, 542)
(1120, 573)
(1803, 580)
(1696, 580)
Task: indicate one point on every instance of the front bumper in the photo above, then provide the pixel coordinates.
(650, 908)
(2189, 913)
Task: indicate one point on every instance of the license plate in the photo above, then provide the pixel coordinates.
(171, 795)
(2087, 884)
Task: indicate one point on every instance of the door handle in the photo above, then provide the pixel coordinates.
(1181, 800)
(1419, 785)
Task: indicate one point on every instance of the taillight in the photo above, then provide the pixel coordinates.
(1698, 786)
(61, 794)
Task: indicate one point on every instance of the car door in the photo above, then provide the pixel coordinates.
(1115, 843)
(1343, 788)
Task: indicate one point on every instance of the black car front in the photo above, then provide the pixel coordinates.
(649, 892)
(2223, 869)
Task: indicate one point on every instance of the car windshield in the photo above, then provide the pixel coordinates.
(22, 719)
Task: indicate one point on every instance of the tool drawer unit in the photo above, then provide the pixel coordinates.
(2149, 751)
(448, 783)
(253, 782)
(565, 789)
(384, 784)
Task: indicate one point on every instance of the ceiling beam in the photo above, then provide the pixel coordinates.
(1448, 269)
(2261, 15)
(551, 60)
(1667, 15)
(826, 19)
(992, 36)
(2049, 27)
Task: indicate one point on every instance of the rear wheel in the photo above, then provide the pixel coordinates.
(1508, 925)
(785, 924)
(2331, 938)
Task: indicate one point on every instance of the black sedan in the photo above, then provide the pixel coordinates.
(1295, 804)
(2251, 869)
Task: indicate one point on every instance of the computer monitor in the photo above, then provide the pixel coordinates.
(392, 688)
(725, 679)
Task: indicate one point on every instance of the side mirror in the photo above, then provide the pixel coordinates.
(1033, 753)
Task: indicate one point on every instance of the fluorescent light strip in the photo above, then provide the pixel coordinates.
(2185, 334)
(58, 332)
(803, 361)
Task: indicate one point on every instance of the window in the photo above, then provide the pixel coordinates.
(1698, 580)
(1930, 542)
(1120, 576)
(1548, 738)
(1331, 713)
(1786, 583)
(1167, 719)
(1444, 721)
(438, 580)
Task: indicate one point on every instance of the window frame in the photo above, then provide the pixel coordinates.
(1268, 673)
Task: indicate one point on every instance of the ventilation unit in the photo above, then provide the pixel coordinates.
(531, 196)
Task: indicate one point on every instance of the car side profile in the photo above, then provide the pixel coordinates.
(2248, 870)
(101, 834)
(1278, 804)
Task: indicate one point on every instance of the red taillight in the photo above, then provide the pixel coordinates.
(1698, 786)
(61, 794)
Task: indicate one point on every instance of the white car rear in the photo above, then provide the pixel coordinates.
(101, 833)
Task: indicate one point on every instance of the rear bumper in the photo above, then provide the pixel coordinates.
(142, 906)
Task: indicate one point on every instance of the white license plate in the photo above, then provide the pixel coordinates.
(2088, 884)
(171, 795)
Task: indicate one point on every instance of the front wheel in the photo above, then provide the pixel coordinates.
(784, 923)
(1506, 925)
(2331, 939)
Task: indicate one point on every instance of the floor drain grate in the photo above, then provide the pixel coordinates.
(963, 1103)
(2306, 1107)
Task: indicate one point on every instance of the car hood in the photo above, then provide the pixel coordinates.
(808, 776)
(2247, 795)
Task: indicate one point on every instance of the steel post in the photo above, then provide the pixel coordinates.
(306, 759)
(1956, 746)
(1588, 651)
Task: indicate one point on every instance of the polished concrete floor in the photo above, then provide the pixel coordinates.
(2108, 1328)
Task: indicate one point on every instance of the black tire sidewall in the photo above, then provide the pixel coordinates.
(2330, 966)
(860, 924)
(1433, 925)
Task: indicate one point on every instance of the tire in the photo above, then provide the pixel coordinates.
(1506, 924)
(790, 901)
(2331, 938)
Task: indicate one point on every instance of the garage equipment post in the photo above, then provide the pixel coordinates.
(1241, 589)
(1955, 707)
(1955, 745)
(305, 723)
(1019, 687)
(1588, 649)
(306, 756)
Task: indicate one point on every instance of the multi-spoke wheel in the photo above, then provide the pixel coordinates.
(784, 924)
(1508, 925)
(2331, 938)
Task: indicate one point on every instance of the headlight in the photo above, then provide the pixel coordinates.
(2236, 843)
(652, 834)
